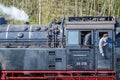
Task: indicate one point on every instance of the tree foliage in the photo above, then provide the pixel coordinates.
(43, 11)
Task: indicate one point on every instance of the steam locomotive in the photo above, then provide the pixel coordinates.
(60, 45)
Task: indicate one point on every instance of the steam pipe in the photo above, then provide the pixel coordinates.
(63, 34)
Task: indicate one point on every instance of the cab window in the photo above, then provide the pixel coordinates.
(118, 39)
(79, 37)
(86, 38)
(73, 37)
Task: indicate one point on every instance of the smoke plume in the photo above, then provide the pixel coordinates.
(13, 13)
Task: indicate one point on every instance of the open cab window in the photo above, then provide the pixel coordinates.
(118, 39)
(86, 38)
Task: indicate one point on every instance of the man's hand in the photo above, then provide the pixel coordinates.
(103, 54)
(104, 44)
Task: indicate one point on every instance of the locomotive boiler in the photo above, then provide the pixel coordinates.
(60, 46)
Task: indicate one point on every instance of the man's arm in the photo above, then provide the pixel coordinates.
(87, 39)
(101, 46)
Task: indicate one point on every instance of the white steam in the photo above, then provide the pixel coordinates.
(14, 13)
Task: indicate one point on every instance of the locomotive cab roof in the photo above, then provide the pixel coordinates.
(90, 22)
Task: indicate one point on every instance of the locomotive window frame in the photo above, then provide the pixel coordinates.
(108, 31)
(69, 41)
(79, 36)
(91, 31)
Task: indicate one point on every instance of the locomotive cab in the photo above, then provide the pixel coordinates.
(83, 35)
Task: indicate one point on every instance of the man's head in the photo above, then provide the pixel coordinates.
(105, 36)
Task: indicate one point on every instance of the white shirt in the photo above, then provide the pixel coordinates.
(102, 45)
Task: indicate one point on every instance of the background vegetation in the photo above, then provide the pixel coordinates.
(43, 11)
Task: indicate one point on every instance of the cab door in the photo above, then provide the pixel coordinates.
(104, 62)
(80, 54)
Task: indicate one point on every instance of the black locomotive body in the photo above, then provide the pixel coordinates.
(60, 45)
